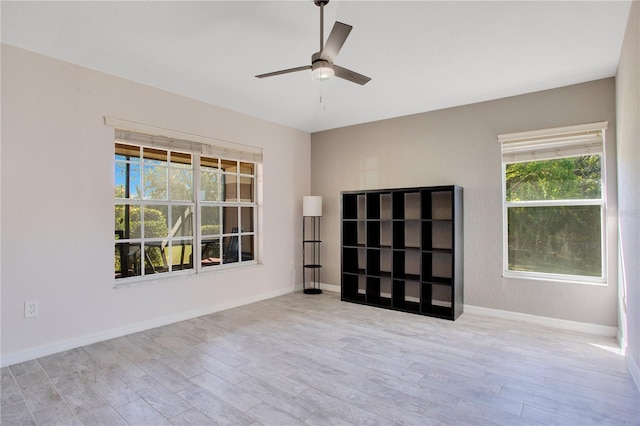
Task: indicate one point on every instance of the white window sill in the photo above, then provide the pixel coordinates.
(156, 278)
(555, 278)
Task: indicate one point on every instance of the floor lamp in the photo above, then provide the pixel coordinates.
(311, 212)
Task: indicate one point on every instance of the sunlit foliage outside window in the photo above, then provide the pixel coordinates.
(554, 216)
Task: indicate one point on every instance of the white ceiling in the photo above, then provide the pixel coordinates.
(421, 55)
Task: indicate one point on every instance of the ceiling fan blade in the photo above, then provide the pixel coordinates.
(287, 71)
(336, 39)
(351, 75)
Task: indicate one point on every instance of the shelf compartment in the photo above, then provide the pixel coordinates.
(386, 233)
(406, 265)
(412, 233)
(354, 260)
(437, 205)
(379, 291)
(386, 206)
(349, 233)
(437, 299)
(437, 267)
(386, 263)
(412, 202)
(373, 205)
(373, 262)
(442, 235)
(362, 207)
(350, 206)
(351, 288)
(437, 235)
(398, 205)
(441, 205)
(373, 234)
(406, 296)
(362, 286)
(406, 234)
(353, 233)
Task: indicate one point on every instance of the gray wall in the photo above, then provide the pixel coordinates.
(628, 108)
(459, 146)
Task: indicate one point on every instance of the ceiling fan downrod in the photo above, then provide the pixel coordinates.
(321, 4)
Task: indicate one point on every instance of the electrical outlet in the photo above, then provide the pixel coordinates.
(30, 308)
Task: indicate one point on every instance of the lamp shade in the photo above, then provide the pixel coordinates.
(312, 205)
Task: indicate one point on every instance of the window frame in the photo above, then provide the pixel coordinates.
(143, 202)
(549, 144)
(225, 152)
(222, 204)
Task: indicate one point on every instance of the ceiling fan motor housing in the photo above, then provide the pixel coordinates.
(321, 68)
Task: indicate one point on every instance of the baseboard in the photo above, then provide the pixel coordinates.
(324, 287)
(64, 345)
(621, 339)
(633, 369)
(330, 287)
(583, 327)
(600, 330)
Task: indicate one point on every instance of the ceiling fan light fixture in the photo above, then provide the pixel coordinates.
(322, 70)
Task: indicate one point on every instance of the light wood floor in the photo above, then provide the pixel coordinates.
(306, 359)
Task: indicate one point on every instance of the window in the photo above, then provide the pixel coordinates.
(176, 201)
(554, 203)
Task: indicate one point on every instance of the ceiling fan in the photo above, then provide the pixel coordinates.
(322, 66)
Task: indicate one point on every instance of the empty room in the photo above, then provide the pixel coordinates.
(320, 212)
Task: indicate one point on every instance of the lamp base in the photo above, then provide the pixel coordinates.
(312, 291)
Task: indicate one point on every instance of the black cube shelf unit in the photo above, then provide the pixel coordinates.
(402, 249)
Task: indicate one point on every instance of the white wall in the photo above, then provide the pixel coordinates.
(459, 146)
(57, 206)
(628, 110)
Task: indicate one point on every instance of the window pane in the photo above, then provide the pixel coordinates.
(181, 184)
(209, 184)
(119, 256)
(572, 178)
(127, 221)
(155, 257)
(155, 183)
(557, 240)
(126, 175)
(231, 247)
(230, 220)
(180, 160)
(247, 247)
(127, 152)
(154, 156)
(246, 189)
(181, 221)
(211, 255)
(127, 260)
(246, 218)
(208, 162)
(156, 222)
(181, 255)
(229, 166)
(247, 168)
(230, 187)
(210, 220)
